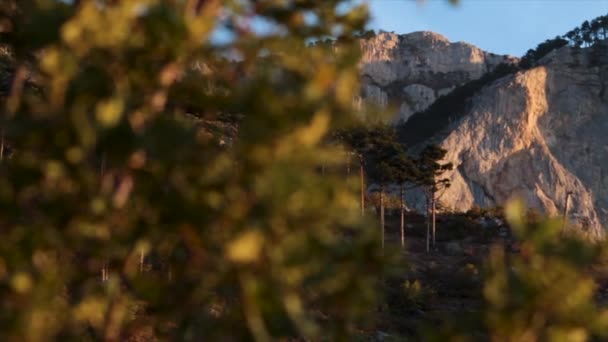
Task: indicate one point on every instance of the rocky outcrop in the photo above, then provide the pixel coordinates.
(410, 71)
(538, 134)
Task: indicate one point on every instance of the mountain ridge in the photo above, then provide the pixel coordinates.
(532, 132)
(410, 71)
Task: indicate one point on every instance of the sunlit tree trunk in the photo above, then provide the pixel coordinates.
(566, 205)
(141, 261)
(104, 271)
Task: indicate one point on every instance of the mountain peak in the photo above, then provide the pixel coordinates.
(427, 35)
(412, 70)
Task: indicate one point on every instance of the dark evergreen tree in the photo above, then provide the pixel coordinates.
(355, 139)
(403, 173)
(381, 148)
(430, 169)
(586, 33)
(534, 55)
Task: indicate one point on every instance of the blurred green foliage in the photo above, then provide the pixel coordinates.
(544, 292)
(175, 129)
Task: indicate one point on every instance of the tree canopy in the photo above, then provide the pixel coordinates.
(123, 119)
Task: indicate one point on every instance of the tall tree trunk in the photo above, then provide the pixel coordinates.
(428, 224)
(362, 186)
(382, 214)
(141, 261)
(433, 215)
(402, 206)
(566, 205)
(104, 271)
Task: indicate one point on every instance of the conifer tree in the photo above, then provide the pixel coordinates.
(430, 170)
(355, 139)
(586, 33)
(404, 173)
(381, 148)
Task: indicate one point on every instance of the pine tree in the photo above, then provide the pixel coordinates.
(430, 169)
(603, 20)
(399, 169)
(586, 33)
(404, 174)
(355, 139)
(381, 147)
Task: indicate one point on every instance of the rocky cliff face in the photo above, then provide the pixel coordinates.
(538, 134)
(410, 71)
(541, 134)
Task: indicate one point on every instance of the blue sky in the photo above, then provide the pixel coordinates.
(499, 26)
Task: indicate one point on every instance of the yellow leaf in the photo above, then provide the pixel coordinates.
(54, 169)
(311, 134)
(91, 310)
(22, 282)
(109, 112)
(246, 248)
(70, 32)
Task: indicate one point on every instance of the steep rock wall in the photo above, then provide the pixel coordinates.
(538, 134)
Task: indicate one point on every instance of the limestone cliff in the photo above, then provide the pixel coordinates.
(410, 71)
(540, 134)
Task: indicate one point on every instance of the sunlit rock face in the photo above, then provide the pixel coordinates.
(408, 72)
(538, 134)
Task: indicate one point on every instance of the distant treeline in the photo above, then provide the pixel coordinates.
(586, 35)
(451, 107)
